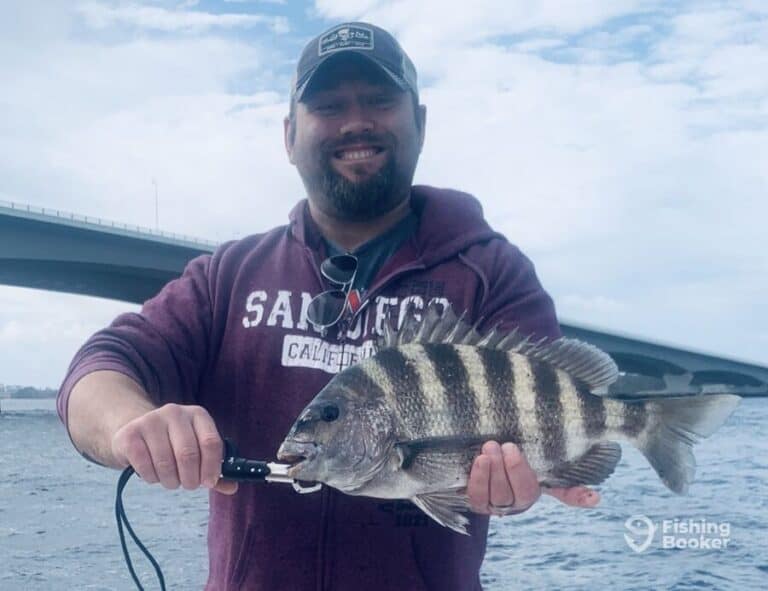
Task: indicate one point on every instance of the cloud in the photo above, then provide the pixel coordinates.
(427, 27)
(99, 16)
(218, 161)
(620, 144)
(281, 2)
(585, 306)
(623, 155)
(169, 114)
(40, 332)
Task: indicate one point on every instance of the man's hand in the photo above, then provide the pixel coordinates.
(502, 483)
(174, 445)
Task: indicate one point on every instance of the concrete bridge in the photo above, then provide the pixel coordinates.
(58, 251)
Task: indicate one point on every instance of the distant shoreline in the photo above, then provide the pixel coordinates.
(12, 397)
(26, 393)
(25, 405)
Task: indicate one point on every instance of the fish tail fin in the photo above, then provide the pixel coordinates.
(680, 423)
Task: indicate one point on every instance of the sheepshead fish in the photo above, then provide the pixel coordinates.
(408, 422)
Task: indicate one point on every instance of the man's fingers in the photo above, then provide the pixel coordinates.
(576, 496)
(477, 485)
(521, 477)
(174, 445)
(137, 455)
(502, 493)
(186, 452)
(501, 481)
(211, 449)
(163, 458)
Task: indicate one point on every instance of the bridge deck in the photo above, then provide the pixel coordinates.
(60, 251)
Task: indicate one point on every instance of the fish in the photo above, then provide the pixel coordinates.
(407, 422)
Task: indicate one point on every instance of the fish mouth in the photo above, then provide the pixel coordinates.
(297, 453)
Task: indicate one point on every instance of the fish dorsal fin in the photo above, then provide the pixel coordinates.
(582, 361)
(439, 324)
(445, 507)
(592, 467)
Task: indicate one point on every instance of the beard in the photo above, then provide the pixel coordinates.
(362, 200)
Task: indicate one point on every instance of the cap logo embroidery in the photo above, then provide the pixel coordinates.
(346, 37)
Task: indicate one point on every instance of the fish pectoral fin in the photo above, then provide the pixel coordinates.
(438, 448)
(592, 467)
(445, 507)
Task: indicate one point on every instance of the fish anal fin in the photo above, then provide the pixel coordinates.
(445, 507)
(592, 467)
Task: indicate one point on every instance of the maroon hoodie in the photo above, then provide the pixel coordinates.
(231, 334)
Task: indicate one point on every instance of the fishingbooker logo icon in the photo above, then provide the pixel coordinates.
(680, 533)
(642, 531)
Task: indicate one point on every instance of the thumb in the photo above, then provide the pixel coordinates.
(226, 487)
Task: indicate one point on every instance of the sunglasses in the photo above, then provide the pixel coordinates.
(326, 309)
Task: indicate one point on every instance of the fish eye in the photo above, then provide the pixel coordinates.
(330, 413)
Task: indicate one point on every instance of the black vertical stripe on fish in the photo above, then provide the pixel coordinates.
(409, 398)
(549, 411)
(525, 401)
(357, 382)
(593, 411)
(635, 418)
(500, 377)
(453, 376)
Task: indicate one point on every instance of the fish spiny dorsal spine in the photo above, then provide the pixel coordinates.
(437, 325)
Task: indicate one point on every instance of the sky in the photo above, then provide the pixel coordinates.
(621, 145)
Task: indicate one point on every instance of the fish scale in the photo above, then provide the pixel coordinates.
(593, 412)
(525, 397)
(400, 381)
(433, 396)
(573, 416)
(549, 412)
(484, 397)
(500, 380)
(459, 400)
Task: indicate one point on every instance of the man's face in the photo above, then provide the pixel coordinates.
(356, 140)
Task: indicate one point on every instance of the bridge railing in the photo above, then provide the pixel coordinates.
(66, 215)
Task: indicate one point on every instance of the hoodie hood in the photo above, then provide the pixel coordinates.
(456, 223)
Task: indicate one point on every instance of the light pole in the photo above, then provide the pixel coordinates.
(157, 207)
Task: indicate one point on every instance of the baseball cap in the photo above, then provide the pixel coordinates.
(363, 39)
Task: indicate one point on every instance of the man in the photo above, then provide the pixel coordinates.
(242, 341)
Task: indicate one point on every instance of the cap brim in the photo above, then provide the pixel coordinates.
(299, 90)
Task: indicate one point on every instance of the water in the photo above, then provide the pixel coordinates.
(57, 529)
